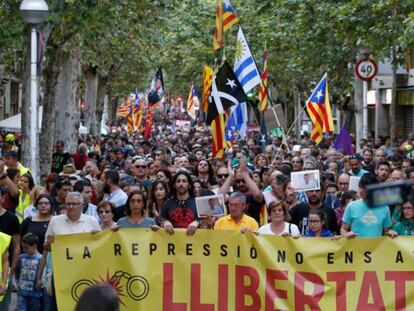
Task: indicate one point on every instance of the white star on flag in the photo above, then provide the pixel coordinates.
(231, 83)
(319, 94)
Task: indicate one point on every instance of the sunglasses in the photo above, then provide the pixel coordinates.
(105, 211)
(239, 181)
(140, 166)
(222, 175)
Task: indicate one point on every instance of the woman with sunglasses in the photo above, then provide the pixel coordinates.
(38, 223)
(136, 210)
(106, 211)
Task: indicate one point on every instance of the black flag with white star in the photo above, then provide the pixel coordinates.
(226, 91)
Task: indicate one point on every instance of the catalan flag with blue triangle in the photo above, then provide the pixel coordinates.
(229, 15)
(319, 110)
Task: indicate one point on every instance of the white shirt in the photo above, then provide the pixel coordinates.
(118, 197)
(269, 197)
(92, 211)
(294, 230)
(63, 225)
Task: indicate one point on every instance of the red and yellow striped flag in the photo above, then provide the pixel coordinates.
(218, 39)
(130, 120)
(263, 85)
(219, 143)
(207, 80)
(225, 18)
(139, 105)
(229, 15)
(123, 111)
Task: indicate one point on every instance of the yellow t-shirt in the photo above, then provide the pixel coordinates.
(24, 202)
(4, 245)
(227, 223)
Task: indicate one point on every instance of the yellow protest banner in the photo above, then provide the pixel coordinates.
(227, 270)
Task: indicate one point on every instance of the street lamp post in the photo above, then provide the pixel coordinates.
(34, 13)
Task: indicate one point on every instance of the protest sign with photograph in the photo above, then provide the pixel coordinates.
(354, 183)
(305, 180)
(212, 205)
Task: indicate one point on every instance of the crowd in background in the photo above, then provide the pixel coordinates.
(116, 181)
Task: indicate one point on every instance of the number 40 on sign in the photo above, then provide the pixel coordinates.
(366, 69)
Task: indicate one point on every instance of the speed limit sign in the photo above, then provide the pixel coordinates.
(366, 69)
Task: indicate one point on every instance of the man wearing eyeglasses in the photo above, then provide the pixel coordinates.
(73, 221)
(85, 188)
(139, 172)
(221, 176)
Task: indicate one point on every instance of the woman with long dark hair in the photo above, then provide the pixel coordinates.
(158, 196)
(136, 210)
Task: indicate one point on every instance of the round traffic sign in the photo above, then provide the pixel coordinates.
(366, 69)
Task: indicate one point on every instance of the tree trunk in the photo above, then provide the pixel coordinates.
(102, 92)
(47, 134)
(90, 110)
(112, 104)
(393, 92)
(67, 95)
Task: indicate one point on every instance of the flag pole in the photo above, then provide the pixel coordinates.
(296, 119)
(270, 103)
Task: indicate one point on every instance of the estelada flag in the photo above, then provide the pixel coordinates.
(319, 110)
(207, 80)
(225, 18)
(229, 15)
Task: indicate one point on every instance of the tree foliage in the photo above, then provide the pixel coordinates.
(305, 38)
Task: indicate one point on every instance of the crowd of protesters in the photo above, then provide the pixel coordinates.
(116, 181)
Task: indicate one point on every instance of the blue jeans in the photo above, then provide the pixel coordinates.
(25, 303)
